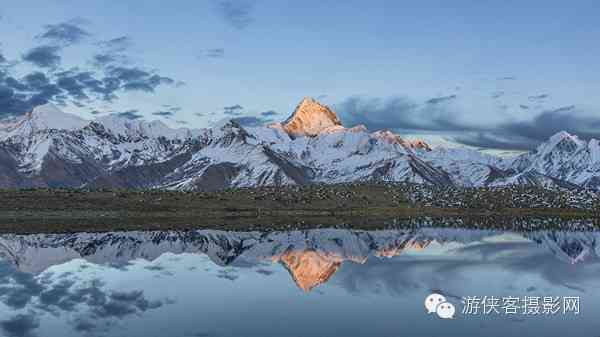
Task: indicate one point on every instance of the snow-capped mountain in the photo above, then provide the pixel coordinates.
(49, 148)
(564, 157)
(310, 256)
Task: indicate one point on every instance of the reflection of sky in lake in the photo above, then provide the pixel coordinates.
(322, 283)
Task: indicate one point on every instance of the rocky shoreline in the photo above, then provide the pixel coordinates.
(354, 205)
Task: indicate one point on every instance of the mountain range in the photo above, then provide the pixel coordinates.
(50, 148)
(310, 256)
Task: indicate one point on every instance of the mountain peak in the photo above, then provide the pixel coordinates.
(562, 135)
(48, 116)
(309, 268)
(310, 118)
(45, 117)
(561, 141)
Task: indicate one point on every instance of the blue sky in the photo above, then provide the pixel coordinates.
(490, 74)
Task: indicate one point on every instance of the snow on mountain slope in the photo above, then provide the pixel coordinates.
(353, 154)
(234, 157)
(311, 256)
(49, 148)
(139, 129)
(564, 157)
(465, 166)
(43, 117)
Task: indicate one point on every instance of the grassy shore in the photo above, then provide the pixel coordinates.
(367, 206)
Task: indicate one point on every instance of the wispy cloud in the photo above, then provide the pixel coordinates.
(65, 33)
(43, 56)
(130, 114)
(441, 99)
(21, 325)
(236, 13)
(538, 97)
(406, 115)
(233, 110)
(269, 113)
(215, 53)
(73, 84)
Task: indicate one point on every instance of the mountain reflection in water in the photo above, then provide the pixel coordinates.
(123, 283)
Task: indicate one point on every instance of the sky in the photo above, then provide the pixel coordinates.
(502, 75)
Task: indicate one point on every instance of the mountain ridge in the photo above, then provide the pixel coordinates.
(49, 148)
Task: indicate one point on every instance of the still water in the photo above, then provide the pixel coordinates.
(321, 282)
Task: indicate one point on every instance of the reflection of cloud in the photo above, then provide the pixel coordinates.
(84, 325)
(154, 268)
(121, 304)
(228, 274)
(62, 293)
(21, 325)
(401, 275)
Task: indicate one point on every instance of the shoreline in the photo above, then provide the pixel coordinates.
(356, 206)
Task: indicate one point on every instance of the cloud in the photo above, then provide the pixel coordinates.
(102, 60)
(113, 52)
(84, 325)
(233, 110)
(265, 272)
(549, 122)
(66, 33)
(228, 274)
(36, 80)
(442, 99)
(78, 86)
(402, 113)
(43, 56)
(121, 304)
(269, 113)
(236, 13)
(65, 293)
(497, 94)
(538, 97)
(250, 121)
(130, 114)
(136, 79)
(525, 135)
(118, 44)
(215, 53)
(21, 325)
(495, 140)
(2, 58)
(443, 117)
(163, 113)
(507, 78)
